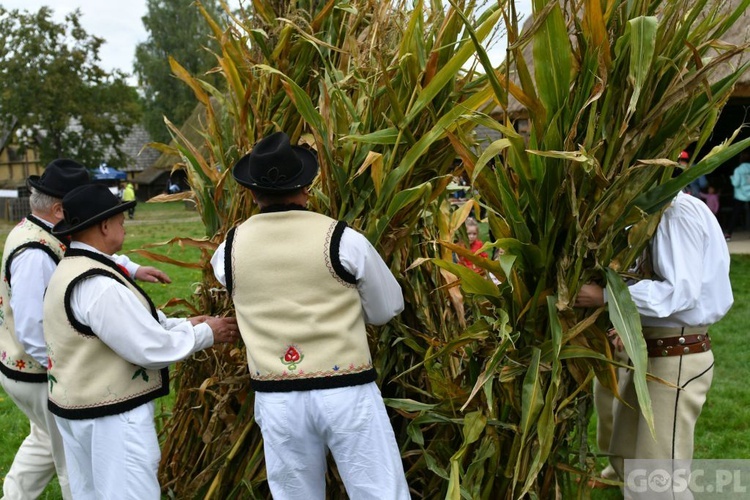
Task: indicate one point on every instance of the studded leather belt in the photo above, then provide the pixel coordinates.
(680, 345)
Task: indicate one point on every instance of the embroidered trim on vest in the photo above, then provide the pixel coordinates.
(333, 262)
(228, 254)
(332, 381)
(23, 376)
(84, 412)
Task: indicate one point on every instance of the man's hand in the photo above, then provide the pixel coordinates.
(590, 296)
(198, 319)
(615, 340)
(151, 275)
(225, 329)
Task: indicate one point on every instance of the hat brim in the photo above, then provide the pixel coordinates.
(62, 228)
(241, 173)
(33, 182)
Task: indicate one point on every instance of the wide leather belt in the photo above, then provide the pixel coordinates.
(679, 345)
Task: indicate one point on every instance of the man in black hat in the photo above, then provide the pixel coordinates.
(303, 287)
(30, 256)
(109, 351)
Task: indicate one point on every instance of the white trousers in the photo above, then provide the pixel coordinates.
(114, 457)
(41, 454)
(299, 427)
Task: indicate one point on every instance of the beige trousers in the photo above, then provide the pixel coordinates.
(604, 404)
(675, 411)
(41, 454)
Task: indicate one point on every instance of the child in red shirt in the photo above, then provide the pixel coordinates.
(472, 231)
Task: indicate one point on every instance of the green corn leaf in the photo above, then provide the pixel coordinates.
(642, 46)
(626, 320)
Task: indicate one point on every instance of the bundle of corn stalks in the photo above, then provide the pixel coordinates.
(487, 384)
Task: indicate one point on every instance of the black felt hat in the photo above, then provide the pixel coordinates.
(59, 177)
(275, 166)
(87, 205)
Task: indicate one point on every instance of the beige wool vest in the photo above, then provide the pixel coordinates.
(87, 379)
(14, 362)
(298, 309)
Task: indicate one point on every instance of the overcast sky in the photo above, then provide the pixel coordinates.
(119, 23)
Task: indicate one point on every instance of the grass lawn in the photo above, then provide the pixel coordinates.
(723, 429)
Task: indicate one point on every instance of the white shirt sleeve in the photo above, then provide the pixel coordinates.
(124, 261)
(217, 262)
(30, 272)
(678, 251)
(130, 330)
(379, 291)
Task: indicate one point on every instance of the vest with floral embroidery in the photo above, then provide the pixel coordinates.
(297, 307)
(87, 379)
(14, 362)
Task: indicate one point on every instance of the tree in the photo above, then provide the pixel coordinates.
(65, 104)
(177, 29)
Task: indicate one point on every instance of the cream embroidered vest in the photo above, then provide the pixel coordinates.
(87, 379)
(298, 309)
(14, 362)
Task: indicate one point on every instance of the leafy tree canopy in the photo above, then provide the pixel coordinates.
(177, 29)
(51, 82)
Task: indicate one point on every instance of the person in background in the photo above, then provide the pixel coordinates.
(304, 286)
(109, 351)
(711, 197)
(699, 184)
(741, 183)
(472, 232)
(128, 195)
(30, 256)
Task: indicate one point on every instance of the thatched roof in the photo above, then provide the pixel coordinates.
(738, 34)
(191, 130)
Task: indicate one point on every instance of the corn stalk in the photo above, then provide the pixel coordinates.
(486, 383)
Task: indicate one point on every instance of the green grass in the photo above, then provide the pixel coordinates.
(723, 429)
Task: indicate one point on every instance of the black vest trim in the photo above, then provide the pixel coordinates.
(65, 240)
(115, 408)
(309, 384)
(333, 251)
(31, 244)
(282, 208)
(35, 378)
(228, 249)
(79, 252)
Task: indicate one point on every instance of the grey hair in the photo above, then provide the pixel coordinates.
(40, 202)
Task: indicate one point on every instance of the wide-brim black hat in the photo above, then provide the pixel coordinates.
(88, 205)
(59, 178)
(275, 166)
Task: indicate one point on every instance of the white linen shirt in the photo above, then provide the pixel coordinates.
(691, 257)
(378, 290)
(30, 272)
(119, 320)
